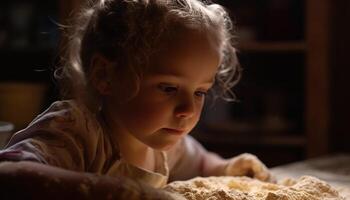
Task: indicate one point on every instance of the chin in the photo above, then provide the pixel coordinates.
(163, 146)
(166, 148)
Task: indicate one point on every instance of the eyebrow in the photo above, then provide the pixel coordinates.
(210, 81)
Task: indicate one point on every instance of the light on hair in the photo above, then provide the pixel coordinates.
(129, 31)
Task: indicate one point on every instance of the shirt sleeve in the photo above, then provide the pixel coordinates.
(58, 137)
(185, 159)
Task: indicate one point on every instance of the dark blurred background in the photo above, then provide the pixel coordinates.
(293, 96)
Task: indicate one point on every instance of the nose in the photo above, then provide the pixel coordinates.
(186, 107)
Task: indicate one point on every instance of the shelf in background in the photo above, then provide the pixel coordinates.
(278, 46)
(28, 50)
(29, 64)
(219, 138)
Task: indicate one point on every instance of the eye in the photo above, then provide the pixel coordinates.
(201, 93)
(167, 88)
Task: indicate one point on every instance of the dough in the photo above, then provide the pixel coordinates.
(244, 188)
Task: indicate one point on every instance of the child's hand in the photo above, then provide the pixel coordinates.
(248, 165)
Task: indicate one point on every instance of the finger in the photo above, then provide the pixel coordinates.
(272, 179)
(263, 176)
(261, 172)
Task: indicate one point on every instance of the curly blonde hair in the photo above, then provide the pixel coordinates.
(129, 31)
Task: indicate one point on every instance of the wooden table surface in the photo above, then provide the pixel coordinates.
(334, 169)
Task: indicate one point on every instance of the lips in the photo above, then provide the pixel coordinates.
(174, 131)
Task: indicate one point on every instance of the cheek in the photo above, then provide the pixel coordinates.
(146, 114)
(149, 112)
(197, 115)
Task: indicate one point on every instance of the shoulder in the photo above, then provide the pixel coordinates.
(62, 118)
(186, 144)
(181, 149)
(185, 159)
(65, 134)
(67, 112)
(63, 111)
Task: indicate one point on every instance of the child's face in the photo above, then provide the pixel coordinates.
(172, 92)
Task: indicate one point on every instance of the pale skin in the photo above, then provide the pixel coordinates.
(165, 109)
(170, 99)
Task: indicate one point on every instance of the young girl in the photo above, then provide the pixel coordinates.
(136, 74)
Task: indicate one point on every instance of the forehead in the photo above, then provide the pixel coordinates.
(187, 53)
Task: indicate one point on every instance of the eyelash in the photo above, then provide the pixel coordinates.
(201, 93)
(169, 89)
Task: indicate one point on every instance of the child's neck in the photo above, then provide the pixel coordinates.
(130, 148)
(135, 152)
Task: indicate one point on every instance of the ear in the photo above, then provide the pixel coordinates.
(100, 74)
